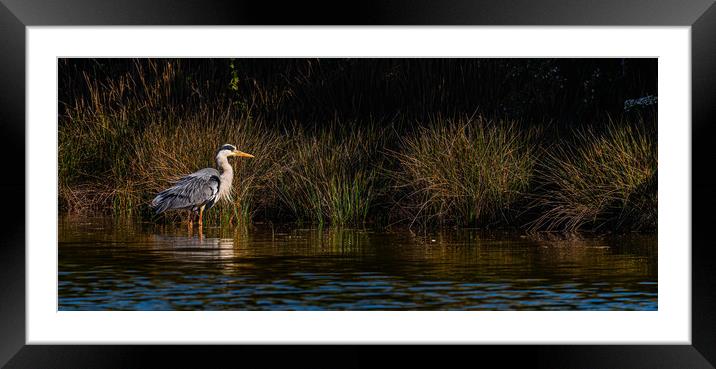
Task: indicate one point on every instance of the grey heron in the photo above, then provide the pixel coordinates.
(202, 189)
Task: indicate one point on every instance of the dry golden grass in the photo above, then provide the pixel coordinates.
(602, 179)
(464, 172)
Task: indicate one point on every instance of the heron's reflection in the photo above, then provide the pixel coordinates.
(199, 245)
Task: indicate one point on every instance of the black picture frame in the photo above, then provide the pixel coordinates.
(15, 15)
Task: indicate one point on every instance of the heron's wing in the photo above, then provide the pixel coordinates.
(189, 192)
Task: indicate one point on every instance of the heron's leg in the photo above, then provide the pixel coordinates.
(190, 220)
(201, 215)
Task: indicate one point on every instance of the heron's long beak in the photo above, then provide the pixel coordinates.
(241, 154)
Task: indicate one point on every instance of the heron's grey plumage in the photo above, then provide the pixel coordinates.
(200, 188)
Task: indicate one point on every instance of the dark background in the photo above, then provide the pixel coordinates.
(566, 92)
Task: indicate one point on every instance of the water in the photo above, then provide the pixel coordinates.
(104, 265)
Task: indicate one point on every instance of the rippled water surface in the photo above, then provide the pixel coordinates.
(104, 265)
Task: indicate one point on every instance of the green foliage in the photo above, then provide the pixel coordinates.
(330, 175)
(234, 83)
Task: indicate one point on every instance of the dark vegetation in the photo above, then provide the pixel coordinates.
(535, 144)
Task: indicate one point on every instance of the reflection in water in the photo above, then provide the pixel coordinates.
(109, 266)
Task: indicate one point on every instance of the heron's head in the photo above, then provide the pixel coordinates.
(227, 151)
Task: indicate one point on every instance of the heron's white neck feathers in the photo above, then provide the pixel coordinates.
(226, 177)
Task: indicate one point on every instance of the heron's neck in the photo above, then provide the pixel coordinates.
(226, 177)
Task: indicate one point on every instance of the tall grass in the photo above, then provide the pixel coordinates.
(330, 175)
(464, 172)
(599, 181)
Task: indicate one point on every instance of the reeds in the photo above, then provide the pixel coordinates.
(330, 175)
(600, 182)
(465, 172)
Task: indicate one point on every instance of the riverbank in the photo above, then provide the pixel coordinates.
(124, 138)
(464, 172)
